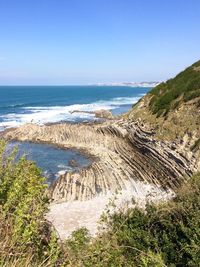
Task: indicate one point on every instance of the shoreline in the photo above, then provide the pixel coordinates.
(83, 151)
(7, 133)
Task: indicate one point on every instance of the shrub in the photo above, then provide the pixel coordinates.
(25, 234)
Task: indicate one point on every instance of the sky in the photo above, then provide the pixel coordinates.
(58, 42)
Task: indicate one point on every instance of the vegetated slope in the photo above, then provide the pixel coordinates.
(170, 95)
(172, 109)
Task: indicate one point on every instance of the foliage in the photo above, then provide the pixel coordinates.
(184, 87)
(25, 235)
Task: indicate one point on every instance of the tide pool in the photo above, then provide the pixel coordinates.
(51, 159)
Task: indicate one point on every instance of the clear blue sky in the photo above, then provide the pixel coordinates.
(89, 41)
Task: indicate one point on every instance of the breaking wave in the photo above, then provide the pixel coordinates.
(44, 114)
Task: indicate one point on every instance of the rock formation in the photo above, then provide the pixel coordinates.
(73, 163)
(124, 151)
(101, 113)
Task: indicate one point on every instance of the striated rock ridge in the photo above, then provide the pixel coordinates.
(124, 152)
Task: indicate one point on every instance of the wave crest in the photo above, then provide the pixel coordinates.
(54, 114)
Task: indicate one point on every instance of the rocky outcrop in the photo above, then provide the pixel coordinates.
(73, 163)
(101, 113)
(124, 152)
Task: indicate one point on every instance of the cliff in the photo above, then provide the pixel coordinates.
(172, 108)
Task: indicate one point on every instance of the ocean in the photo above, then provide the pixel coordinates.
(49, 104)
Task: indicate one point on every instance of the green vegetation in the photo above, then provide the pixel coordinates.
(164, 235)
(167, 234)
(25, 237)
(169, 95)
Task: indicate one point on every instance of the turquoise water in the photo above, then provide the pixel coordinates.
(43, 104)
(51, 159)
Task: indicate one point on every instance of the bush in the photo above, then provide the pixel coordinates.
(26, 237)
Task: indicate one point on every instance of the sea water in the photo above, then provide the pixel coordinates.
(49, 104)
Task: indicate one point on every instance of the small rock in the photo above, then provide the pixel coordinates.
(102, 113)
(73, 163)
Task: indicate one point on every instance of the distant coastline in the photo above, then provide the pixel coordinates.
(131, 84)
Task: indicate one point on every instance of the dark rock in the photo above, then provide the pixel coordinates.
(73, 163)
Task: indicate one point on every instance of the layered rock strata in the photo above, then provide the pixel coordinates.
(124, 152)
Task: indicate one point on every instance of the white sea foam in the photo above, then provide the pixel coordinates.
(42, 115)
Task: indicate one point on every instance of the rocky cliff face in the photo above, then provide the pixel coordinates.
(172, 111)
(124, 152)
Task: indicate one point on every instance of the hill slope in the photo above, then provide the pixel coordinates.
(172, 111)
(173, 108)
(170, 95)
